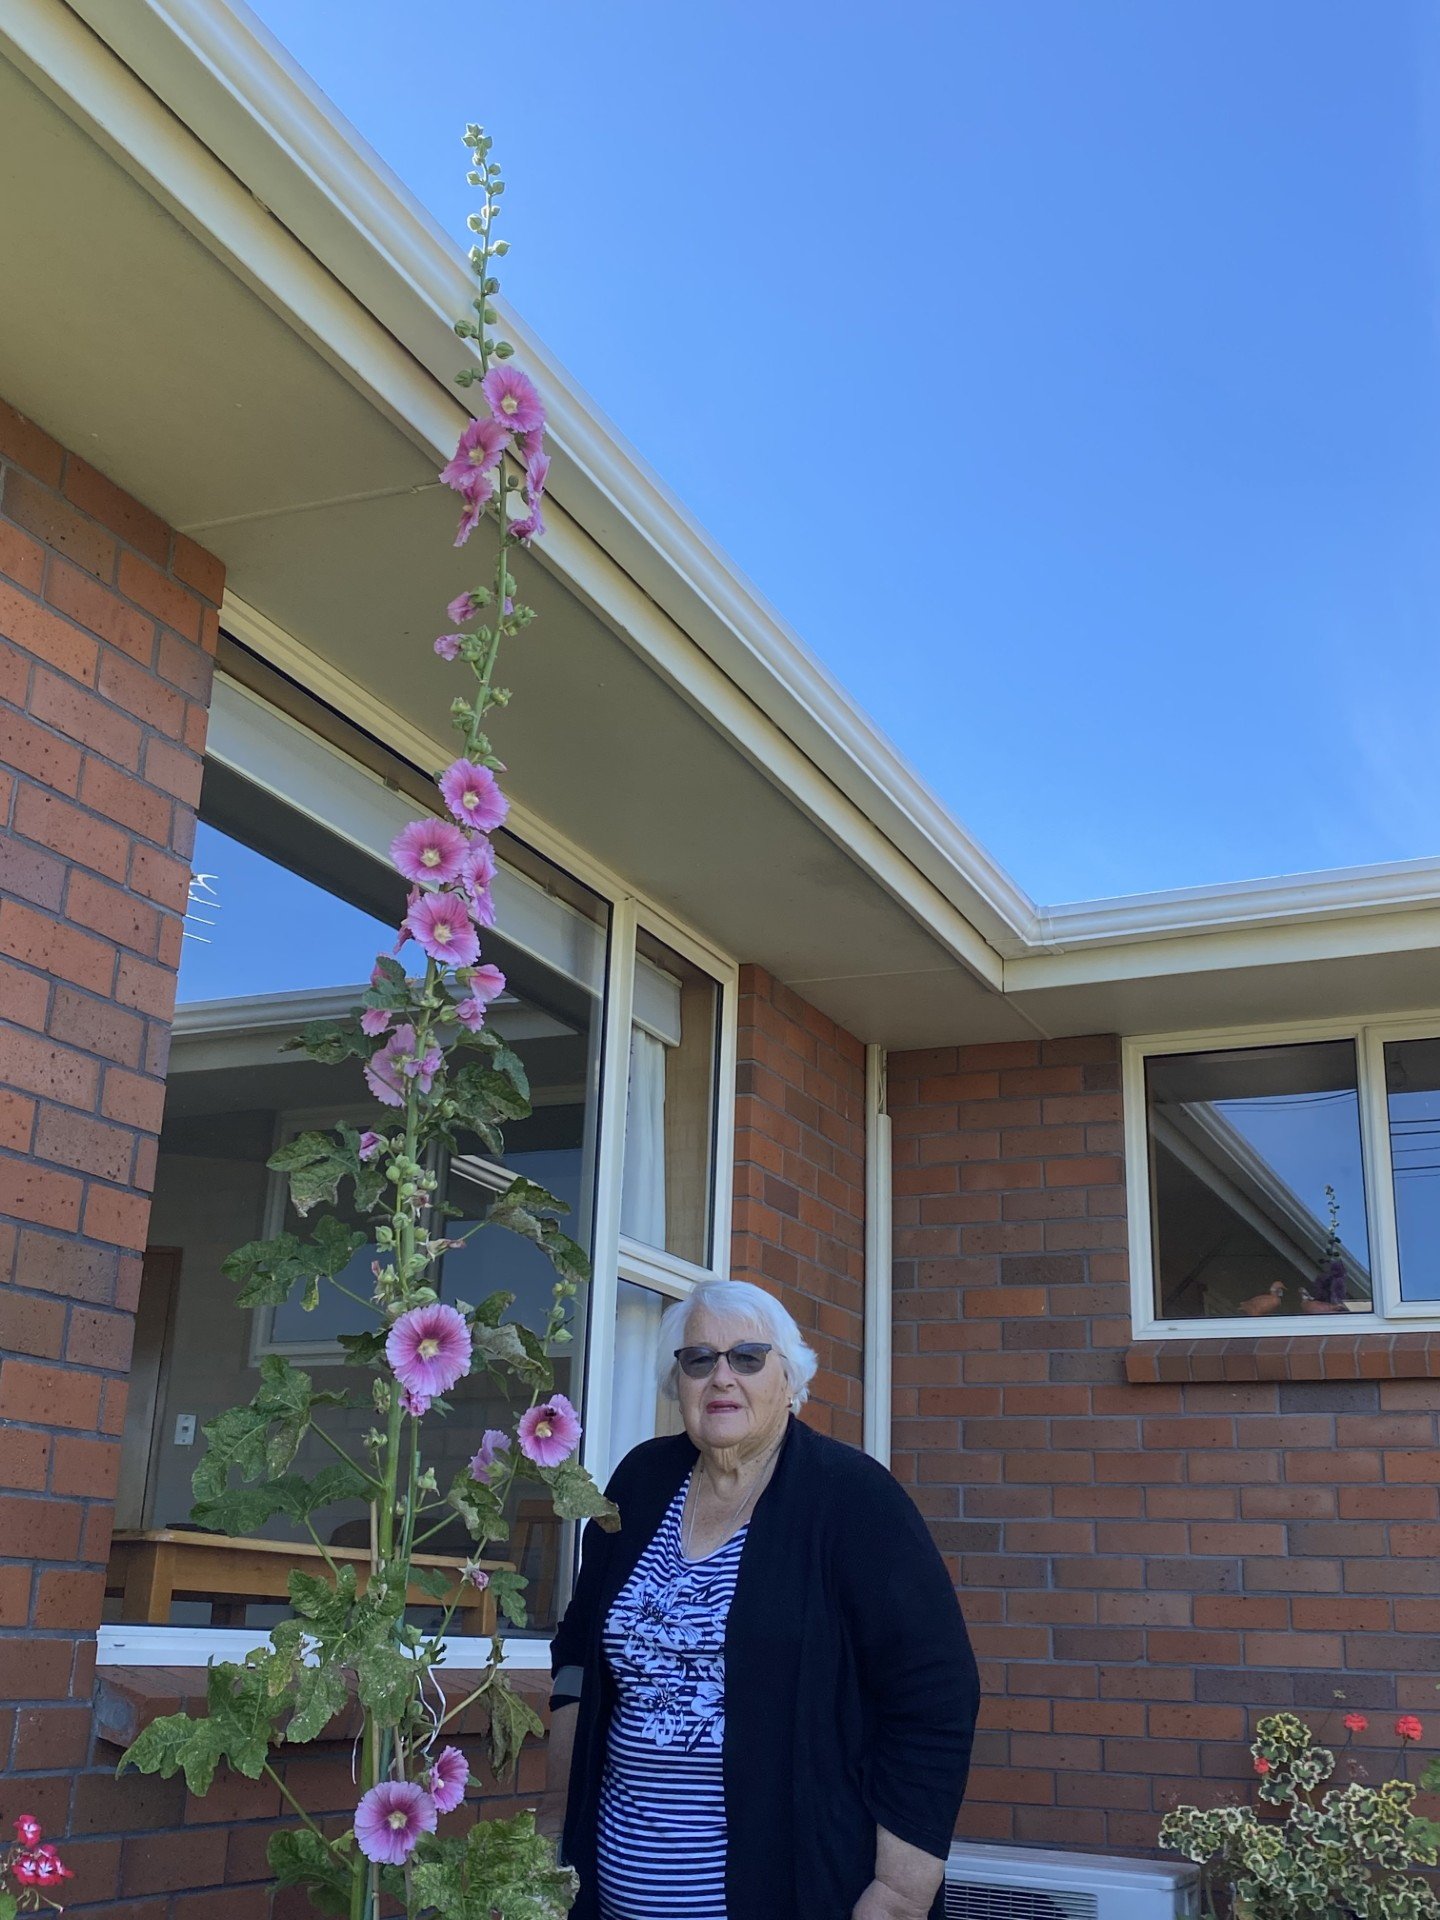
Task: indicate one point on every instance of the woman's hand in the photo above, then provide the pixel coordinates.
(905, 1884)
(879, 1902)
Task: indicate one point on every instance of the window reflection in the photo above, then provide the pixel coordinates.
(287, 922)
(670, 1113)
(1412, 1086)
(1256, 1183)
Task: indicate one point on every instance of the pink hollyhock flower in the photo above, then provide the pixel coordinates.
(530, 527)
(487, 983)
(537, 470)
(429, 1349)
(529, 444)
(1355, 1723)
(375, 1021)
(464, 607)
(514, 400)
(477, 456)
(493, 1441)
(390, 1820)
(396, 1062)
(370, 1144)
(448, 646)
(473, 795)
(479, 866)
(550, 1432)
(417, 1404)
(474, 1575)
(28, 1830)
(430, 850)
(476, 501)
(1409, 1728)
(441, 923)
(449, 1777)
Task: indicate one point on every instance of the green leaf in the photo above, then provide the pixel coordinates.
(432, 1580)
(362, 1349)
(479, 1507)
(508, 1588)
(8, 1906)
(244, 1510)
(512, 1721)
(329, 1041)
(385, 1681)
(320, 1692)
(235, 1442)
(236, 1729)
(484, 1096)
(300, 1858)
(270, 1270)
(504, 1350)
(576, 1496)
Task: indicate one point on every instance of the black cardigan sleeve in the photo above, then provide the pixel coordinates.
(915, 1665)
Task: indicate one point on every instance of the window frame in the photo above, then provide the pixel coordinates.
(1390, 1313)
(251, 737)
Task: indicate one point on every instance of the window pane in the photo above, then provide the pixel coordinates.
(638, 1410)
(300, 917)
(670, 1117)
(1412, 1085)
(1257, 1188)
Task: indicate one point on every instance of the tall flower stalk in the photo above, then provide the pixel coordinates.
(441, 1076)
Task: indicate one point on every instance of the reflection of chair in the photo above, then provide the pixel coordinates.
(535, 1544)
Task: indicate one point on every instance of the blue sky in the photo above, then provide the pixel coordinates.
(1064, 371)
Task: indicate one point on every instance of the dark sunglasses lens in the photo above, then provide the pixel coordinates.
(696, 1362)
(748, 1359)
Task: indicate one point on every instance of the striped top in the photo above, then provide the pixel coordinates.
(661, 1837)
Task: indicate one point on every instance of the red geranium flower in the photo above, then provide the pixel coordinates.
(1409, 1728)
(1356, 1723)
(1262, 1767)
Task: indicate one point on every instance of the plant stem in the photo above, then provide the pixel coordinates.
(295, 1807)
(335, 1447)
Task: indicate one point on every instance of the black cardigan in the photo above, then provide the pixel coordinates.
(850, 1688)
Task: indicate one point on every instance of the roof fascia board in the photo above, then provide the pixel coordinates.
(222, 71)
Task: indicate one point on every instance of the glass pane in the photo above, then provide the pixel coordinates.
(306, 915)
(1257, 1188)
(638, 1411)
(670, 1119)
(1412, 1086)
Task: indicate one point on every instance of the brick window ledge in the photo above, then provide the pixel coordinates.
(127, 1699)
(1327, 1356)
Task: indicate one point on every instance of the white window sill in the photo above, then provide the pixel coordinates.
(127, 1646)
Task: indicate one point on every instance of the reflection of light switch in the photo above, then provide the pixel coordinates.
(185, 1430)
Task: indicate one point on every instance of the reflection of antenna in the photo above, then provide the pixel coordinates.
(202, 894)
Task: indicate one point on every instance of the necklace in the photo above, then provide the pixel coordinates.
(760, 1482)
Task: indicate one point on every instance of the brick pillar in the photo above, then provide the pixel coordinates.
(108, 625)
(799, 1225)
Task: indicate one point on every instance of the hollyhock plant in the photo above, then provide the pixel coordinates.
(442, 924)
(429, 1349)
(473, 795)
(492, 1442)
(514, 400)
(390, 1820)
(449, 1777)
(368, 1632)
(550, 1432)
(430, 851)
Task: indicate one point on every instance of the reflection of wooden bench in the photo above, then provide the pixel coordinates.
(149, 1570)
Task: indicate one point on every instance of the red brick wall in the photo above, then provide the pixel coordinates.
(799, 1223)
(107, 627)
(1146, 1568)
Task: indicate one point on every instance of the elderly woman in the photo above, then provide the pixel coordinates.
(764, 1694)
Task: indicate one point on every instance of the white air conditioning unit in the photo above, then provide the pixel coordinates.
(1025, 1883)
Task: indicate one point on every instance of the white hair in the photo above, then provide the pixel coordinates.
(751, 1306)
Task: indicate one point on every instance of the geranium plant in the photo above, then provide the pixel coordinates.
(31, 1873)
(1328, 1853)
(441, 1076)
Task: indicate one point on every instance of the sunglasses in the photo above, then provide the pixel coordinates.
(698, 1363)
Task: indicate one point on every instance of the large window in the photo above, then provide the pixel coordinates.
(1285, 1181)
(621, 1032)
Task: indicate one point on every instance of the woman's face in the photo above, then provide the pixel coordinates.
(729, 1410)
